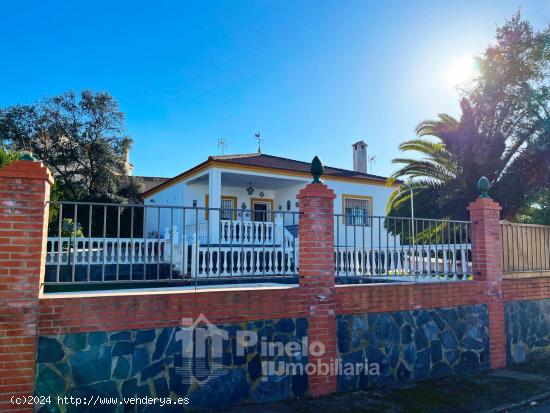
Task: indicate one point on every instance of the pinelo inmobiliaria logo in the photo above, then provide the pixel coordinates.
(203, 349)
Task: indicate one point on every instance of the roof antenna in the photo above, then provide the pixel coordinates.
(372, 159)
(259, 139)
(222, 143)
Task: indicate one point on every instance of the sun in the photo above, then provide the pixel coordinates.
(461, 70)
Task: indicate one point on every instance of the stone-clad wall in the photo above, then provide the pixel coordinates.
(414, 345)
(143, 363)
(527, 329)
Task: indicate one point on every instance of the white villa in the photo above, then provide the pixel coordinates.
(237, 215)
(259, 190)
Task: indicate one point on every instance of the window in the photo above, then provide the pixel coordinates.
(229, 203)
(229, 207)
(357, 210)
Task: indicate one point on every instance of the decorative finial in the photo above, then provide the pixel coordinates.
(317, 169)
(27, 156)
(483, 186)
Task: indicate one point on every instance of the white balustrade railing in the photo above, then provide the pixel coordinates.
(233, 232)
(427, 263)
(237, 233)
(245, 261)
(187, 258)
(197, 232)
(424, 263)
(246, 232)
(442, 262)
(83, 250)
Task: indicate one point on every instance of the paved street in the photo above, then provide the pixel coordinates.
(497, 391)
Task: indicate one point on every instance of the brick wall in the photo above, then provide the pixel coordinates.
(69, 315)
(24, 192)
(138, 311)
(377, 298)
(523, 289)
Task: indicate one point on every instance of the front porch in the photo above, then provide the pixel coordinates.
(259, 233)
(232, 207)
(220, 222)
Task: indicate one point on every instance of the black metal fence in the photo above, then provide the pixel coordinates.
(401, 249)
(97, 243)
(92, 243)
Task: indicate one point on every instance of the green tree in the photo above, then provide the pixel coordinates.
(81, 139)
(538, 210)
(503, 133)
(7, 156)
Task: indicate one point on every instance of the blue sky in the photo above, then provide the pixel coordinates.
(312, 76)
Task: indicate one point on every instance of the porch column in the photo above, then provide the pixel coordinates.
(215, 201)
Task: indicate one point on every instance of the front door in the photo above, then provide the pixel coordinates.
(261, 211)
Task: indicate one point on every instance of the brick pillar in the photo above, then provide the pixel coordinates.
(487, 268)
(316, 263)
(24, 193)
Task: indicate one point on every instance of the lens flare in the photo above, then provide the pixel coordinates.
(461, 71)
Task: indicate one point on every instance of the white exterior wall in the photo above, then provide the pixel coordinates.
(183, 194)
(170, 196)
(289, 194)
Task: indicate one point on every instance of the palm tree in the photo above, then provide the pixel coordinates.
(454, 154)
(503, 133)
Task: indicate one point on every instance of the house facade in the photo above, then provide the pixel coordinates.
(229, 196)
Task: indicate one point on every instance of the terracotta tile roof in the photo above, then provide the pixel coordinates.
(272, 162)
(235, 156)
(277, 162)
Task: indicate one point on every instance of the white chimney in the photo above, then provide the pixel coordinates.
(128, 167)
(360, 157)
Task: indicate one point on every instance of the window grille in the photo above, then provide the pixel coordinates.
(227, 209)
(357, 211)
